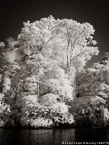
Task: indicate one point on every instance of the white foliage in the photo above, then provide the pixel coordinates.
(29, 100)
(60, 87)
(49, 99)
(97, 100)
(3, 105)
(60, 108)
(6, 84)
(50, 52)
(105, 115)
(10, 56)
(38, 122)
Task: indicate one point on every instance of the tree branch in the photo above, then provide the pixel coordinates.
(78, 55)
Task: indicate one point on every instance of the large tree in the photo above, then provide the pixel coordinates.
(39, 69)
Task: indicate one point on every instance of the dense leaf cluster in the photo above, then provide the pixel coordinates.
(43, 82)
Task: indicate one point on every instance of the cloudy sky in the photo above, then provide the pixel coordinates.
(14, 12)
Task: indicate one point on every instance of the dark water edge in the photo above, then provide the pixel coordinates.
(57, 136)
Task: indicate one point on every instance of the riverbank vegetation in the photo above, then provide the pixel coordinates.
(43, 79)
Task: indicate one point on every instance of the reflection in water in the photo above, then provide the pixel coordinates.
(50, 136)
(95, 135)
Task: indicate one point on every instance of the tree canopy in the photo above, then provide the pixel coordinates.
(43, 80)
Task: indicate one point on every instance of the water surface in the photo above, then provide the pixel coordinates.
(51, 136)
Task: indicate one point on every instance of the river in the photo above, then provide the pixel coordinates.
(53, 136)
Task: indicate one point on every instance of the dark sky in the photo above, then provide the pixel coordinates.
(13, 13)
